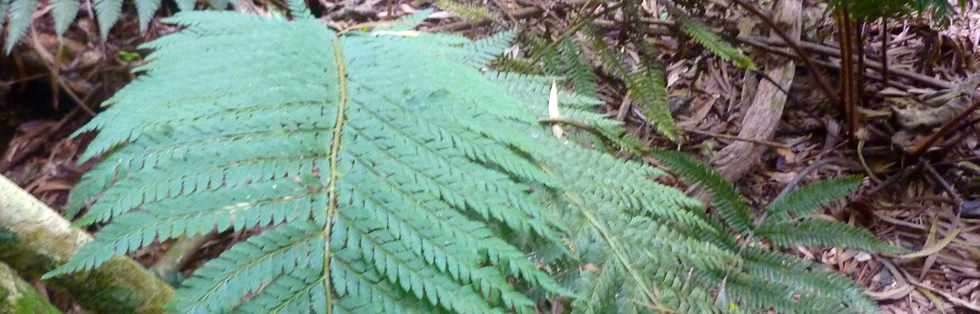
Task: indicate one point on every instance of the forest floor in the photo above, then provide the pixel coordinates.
(927, 202)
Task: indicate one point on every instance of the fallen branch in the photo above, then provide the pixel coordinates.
(34, 240)
(18, 296)
(762, 116)
(169, 265)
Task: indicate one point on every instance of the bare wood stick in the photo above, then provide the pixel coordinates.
(778, 30)
(169, 265)
(737, 138)
(762, 116)
(34, 240)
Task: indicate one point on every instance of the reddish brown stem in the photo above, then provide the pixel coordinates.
(821, 81)
(859, 49)
(847, 67)
(857, 89)
(884, 50)
(949, 126)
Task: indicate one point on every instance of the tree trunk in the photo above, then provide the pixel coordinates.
(759, 120)
(34, 240)
(19, 297)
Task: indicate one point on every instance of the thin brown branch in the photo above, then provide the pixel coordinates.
(950, 125)
(945, 184)
(737, 138)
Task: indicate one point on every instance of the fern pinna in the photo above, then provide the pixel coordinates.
(391, 171)
(19, 14)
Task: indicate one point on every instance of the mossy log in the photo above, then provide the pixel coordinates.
(34, 240)
(19, 297)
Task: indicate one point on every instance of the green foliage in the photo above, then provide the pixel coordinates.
(465, 10)
(64, 12)
(18, 20)
(871, 9)
(708, 39)
(384, 184)
(568, 60)
(810, 198)
(764, 280)
(725, 199)
(647, 85)
(376, 193)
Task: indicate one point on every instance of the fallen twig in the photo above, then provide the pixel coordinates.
(737, 138)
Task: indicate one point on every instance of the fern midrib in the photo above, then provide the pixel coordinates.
(617, 251)
(341, 62)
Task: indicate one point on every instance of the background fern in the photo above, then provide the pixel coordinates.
(64, 12)
(384, 184)
(644, 79)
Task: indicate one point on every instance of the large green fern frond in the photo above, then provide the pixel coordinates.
(382, 189)
(568, 60)
(384, 184)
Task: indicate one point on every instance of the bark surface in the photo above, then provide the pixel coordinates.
(35, 239)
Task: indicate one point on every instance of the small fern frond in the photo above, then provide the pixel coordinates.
(647, 86)
(567, 60)
(819, 232)
(806, 200)
(725, 199)
(708, 39)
